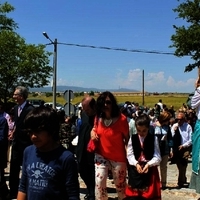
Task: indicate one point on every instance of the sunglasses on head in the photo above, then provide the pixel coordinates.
(108, 102)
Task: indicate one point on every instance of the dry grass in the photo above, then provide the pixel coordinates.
(149, 101)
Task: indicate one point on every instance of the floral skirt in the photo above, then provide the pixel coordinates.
(118, 169)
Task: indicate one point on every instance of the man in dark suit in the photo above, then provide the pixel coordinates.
(86, 159)
(20, 137)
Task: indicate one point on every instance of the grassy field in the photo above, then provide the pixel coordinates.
(149, 101)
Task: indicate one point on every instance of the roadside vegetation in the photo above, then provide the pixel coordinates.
(149, 101)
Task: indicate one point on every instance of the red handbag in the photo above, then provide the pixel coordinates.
(91, 146)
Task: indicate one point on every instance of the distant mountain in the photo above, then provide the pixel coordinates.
(79, 89)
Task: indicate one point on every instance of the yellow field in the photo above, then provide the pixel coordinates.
(149, 101)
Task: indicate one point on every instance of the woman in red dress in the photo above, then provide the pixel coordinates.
(143, 155)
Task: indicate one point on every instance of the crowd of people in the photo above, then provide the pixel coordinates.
(132, 144)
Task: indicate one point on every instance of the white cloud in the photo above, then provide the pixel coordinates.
(154, 79)
(170, 81)
(132, 78)
(179, 83)
(63, 82)
(153, 82)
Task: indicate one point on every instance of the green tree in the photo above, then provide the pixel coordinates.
(34, 94)
(6, 23)
(91, 93)
(20, 63)
(81, 93)
(76, 94)
(186, 39)
(48, 94)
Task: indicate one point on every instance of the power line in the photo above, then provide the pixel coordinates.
(116, 49)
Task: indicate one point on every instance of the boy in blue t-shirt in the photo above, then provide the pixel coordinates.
(49, 171)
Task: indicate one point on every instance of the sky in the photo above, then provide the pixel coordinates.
(123, 24)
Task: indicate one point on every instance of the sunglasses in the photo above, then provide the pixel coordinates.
(108, 102)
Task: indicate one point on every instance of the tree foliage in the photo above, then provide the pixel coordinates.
(6, 23)
(20, 63)
(91, 93)
(186, 39)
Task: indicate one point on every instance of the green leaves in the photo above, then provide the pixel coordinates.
(186, 39)
(6, 23)
(20, 63)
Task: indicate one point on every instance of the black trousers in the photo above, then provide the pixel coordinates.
(87, 173)
(15, 163)
(3, 186)
(182, 167)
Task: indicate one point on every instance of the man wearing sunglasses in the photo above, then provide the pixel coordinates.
(182, 133)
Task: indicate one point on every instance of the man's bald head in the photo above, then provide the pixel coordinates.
(89, 104)
(180, 118)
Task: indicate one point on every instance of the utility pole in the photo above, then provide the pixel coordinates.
(143, 87)
(54, 67)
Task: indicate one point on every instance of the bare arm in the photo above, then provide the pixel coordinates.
(126, 139)
(21, 196)
(93, 134)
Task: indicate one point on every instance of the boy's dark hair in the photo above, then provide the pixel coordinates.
(142, 120)
(43, 119)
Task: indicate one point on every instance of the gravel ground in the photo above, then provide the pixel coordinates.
(171, 193)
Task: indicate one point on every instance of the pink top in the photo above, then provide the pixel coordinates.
(112, 139)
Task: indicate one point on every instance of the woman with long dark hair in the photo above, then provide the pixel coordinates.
(112, 132)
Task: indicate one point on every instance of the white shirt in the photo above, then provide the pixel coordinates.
(153, 162)
(185, 132)
(161, 105)
(132, 128)
(22, 105)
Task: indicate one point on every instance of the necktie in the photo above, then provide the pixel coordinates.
(19, 110)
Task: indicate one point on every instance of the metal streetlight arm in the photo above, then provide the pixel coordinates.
(46, 36)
